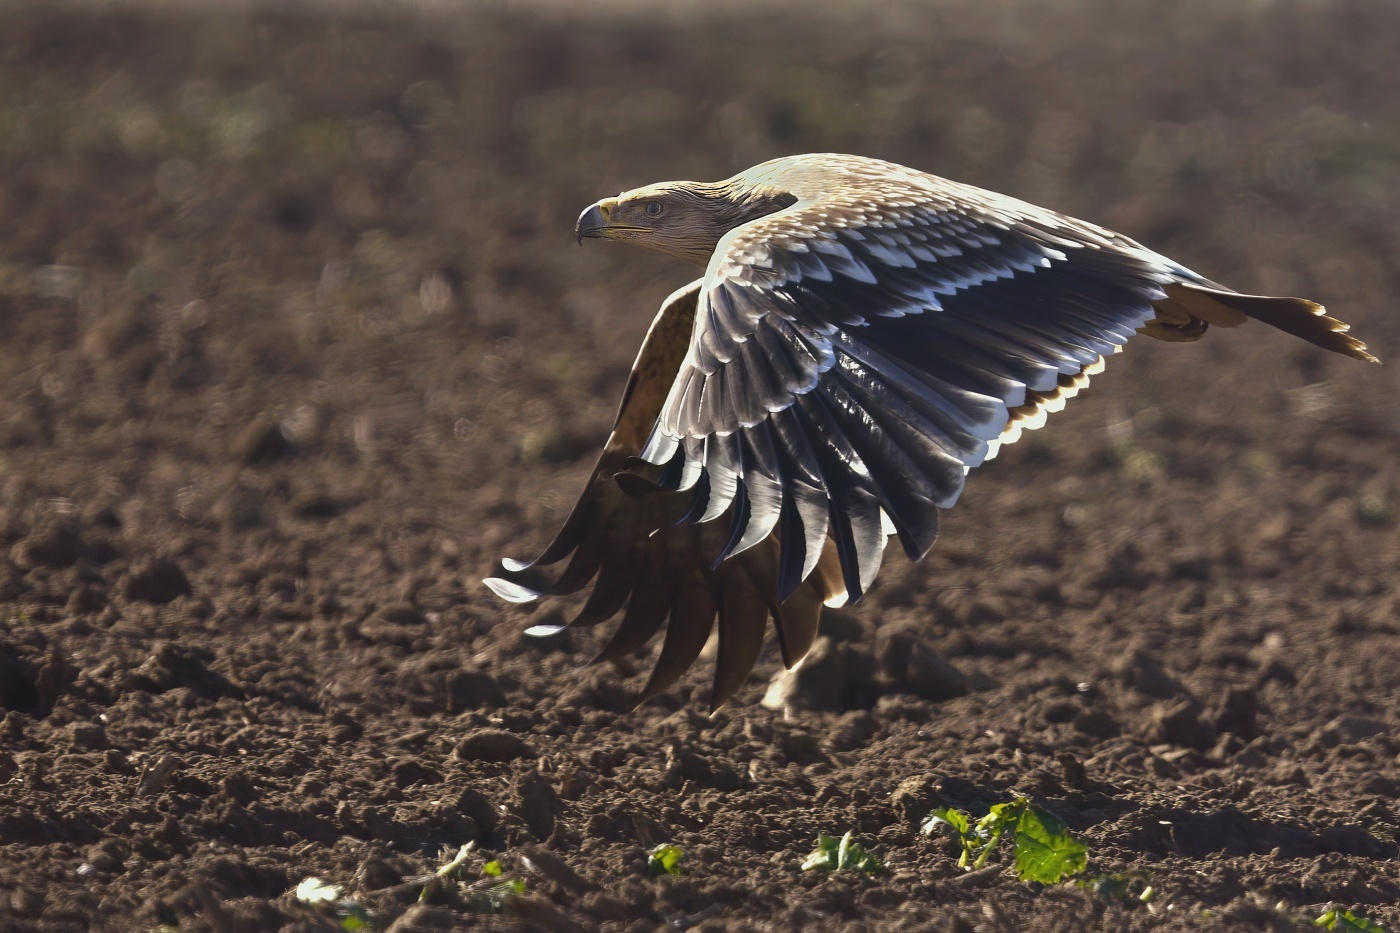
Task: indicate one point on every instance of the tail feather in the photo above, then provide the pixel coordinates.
(1188, 309)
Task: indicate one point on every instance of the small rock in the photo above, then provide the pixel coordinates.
(492, 745)
(115, 762)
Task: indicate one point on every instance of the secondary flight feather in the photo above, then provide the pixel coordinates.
(863, 335)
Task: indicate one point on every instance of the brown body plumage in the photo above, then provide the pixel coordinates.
(864, 334)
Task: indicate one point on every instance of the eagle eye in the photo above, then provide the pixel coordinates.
(654, 208)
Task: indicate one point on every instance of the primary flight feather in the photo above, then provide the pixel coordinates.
(863, 335)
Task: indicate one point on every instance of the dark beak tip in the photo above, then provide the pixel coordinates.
(590, 222)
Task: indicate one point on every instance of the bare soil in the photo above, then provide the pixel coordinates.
(295, 343)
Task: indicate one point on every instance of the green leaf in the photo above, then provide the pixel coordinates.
(823, 857)
(1347, 922)
(665, 859)
(843, 854)
(1045, 849)
(956, 820)
(852, 855)
(492, 868)
(959, 823)
(989, 830)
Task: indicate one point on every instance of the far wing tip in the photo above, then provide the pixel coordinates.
(511, 592)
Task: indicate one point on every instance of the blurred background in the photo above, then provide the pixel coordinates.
(356, 226)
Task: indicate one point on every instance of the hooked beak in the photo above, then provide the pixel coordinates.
(593, 222)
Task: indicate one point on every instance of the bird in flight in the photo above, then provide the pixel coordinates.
(862, 336)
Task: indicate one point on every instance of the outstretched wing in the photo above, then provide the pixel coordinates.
(650, 565)
(855, 354)
(840, 367)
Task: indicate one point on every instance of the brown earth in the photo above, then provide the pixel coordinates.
(295, 342)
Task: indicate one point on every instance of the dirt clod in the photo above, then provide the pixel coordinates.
(492, 745)
(1181, 724)
(57, 545)
(156, 580)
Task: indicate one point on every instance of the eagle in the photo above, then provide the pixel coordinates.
(862, 336)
